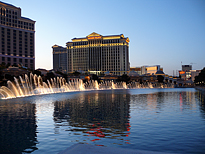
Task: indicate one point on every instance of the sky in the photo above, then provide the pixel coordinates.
(161, 32)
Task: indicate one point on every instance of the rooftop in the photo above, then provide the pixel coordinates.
(7, 4)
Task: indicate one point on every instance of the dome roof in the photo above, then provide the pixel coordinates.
(159, 72)
(133, 73)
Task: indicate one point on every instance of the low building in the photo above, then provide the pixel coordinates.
(146, 69)
(14, 71)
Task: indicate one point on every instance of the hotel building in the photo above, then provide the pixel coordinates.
(60, 59)
(96, 54)
(17, 35)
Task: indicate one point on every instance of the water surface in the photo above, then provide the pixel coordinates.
(165, 120)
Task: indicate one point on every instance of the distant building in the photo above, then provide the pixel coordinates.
(187, 73)
(186, 68)
(17, 37)
(146, 69)
(152, 69)
(60, 59)
(96, 54)
(136, 69)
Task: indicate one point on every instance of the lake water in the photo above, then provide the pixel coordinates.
(165, 120)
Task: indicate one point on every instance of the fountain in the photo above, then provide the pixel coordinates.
(35, 86)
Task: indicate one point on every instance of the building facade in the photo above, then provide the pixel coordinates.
(98, 54)
(186, 68)
(17, 37)
(60, 59)
(151, 70)
(94, 54)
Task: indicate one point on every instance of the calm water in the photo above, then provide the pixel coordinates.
(165, 120)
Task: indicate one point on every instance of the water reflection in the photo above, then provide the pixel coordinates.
(17, 127)
(103, 115)
(166, 120)
(201, 98)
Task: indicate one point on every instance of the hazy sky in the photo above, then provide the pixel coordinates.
(161, 32)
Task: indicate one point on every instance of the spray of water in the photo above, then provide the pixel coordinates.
(35, 86)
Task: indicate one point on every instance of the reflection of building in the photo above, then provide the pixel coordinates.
(97, 54)
(105, 109)
(17, 127)
(16, 37)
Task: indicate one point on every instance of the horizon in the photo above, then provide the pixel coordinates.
(166, 33)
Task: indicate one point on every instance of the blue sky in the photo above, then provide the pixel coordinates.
(161, 32)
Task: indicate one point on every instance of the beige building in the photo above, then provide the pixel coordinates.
(98, 54)
(151, 70)
(17, 33)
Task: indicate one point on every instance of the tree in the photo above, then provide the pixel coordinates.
(2, 65)
(160, 78)
(9, 77)
(94, 77)
(50, 75)
(123, 78)
(7, 65)
(76, 73)
(63, 75)
(37, 72)
(200, 79)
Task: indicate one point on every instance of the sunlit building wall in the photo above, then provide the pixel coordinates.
(17, 33)
(150, 69)
(98, 54)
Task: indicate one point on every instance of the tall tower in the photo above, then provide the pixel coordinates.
(17, 37)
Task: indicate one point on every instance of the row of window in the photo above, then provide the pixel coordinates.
(7, 12)
(13, 23)
(20, 43)
(105, 50)
(20, 60)
(96, 42)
